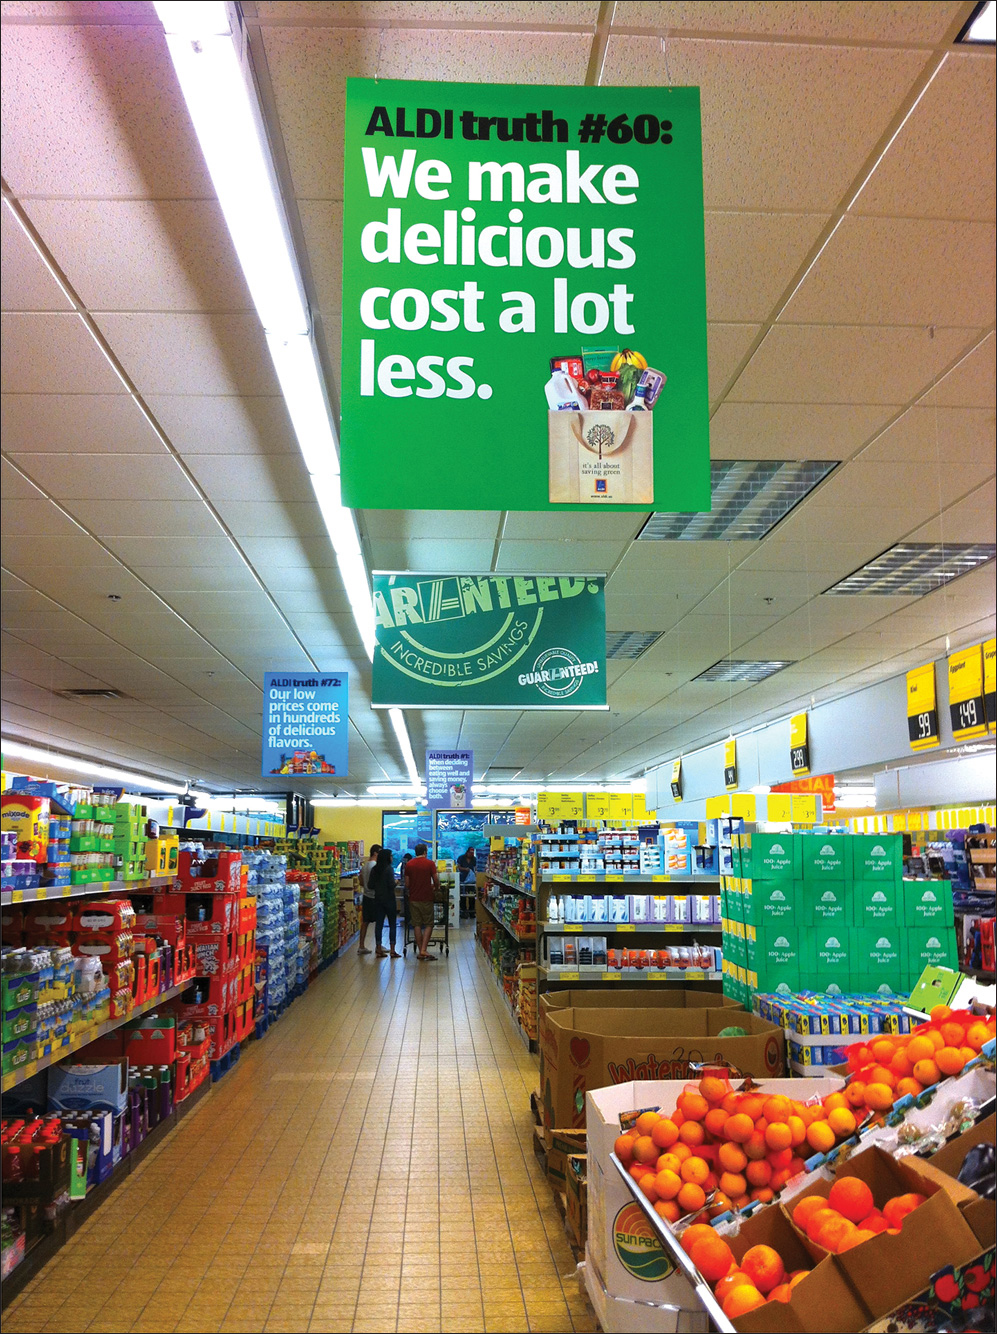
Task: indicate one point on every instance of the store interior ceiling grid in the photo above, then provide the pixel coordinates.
(849, 184)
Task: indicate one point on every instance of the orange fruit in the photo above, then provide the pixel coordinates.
(954, 1033)
(711, 1183)
(695, 1169)
(712, 1257)
(764, 1267)
(797, 1130)
(783, 1293)
(743, 1298)
(624, 1149)
(874, 1223)
(669, 1162)
(806, 1208)
(939, 1013)
(667, 1184)
(778, 1135)
(730, 1102)
(779, 1178)
(949, 1060)
(855, 1238)
(759, 1173)
(777, 1108)
(927, 1072)
(681, 1150)
(833, 1232)
(668, 1210)
(797, 1276)
(968, 1053)
(691, 1197)
(739, 1128)
(879, 1097)
(779, 1158)
(753, 1105)
(692, 1133)
(763, 1193)
(638, 1170)
(855, 1093)
(732, 1183)
(693, 1233)
(761, 1125)
(977, 1034)
(897, 1209)
(645, 1149)
(728, 1283)
(755, 1146)
(646, 1122)
(664, 1132)
(677, 1118)
(732, 1157)
(881, 1074)
(909, 1086)
(935, 1038)
(883, 1050)
(713, 1089)
(920, 1048)
(901, 1065)
(820, 1136)
(834, 1100)
(715, 1120)
(852, 1198)
(693, 1106)
(796, 1166)
(818, 1218)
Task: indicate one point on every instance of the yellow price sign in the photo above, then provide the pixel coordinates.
(676, 783)
(614, 879)
(560, 879)
(17, 896)
(799, 745)
(966, 709)
(568, 977)
(553, 807)
(597, 806)
(730, 763)
(621, 806)
(989, 679)
(779, 808)
(922, 710)
(574, 926)
(804, 808)
(640, 807)
(695, 975)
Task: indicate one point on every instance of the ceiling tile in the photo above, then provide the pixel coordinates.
(144, 518)
(727, 344)
(971, 384)
(191, 353)
(900, 271)
(866, 19)
(558, 557)
(110, 477)
(53, 354)
(245, 477)
(25, 282)
(792, 430)
(33, 518)
(168, 254)
(927, 432)
(579, 527)
(262, 518)
(809, 363)
(168, 579)
(767, 108)
(179, 552)
(64, 423)
(437, 556)
(206, 424)
(941, 164)
(751, 258)
(322, 224)
(427, 12)
(402, 525)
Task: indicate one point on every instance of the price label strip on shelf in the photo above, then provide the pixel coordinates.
(567, 977)
(659, 878)
(966, 708)
(614, 879)
(656, 977)
(922, 711)
(612, 977)
(624, 927)
(799, 745)
(574, 926)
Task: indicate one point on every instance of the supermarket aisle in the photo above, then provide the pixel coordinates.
(367, 1166)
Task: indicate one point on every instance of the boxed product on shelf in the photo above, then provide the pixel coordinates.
(75, 1087)
(926, 903)
(766, 856)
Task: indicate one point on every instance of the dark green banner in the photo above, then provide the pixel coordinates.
(489, 641)
(524, 298)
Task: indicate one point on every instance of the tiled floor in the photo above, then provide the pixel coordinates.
(367, 1166)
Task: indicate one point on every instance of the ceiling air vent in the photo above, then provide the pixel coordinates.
(96, 693)
(741, 670)
(630, 643)
(748, 498)
(912, 569)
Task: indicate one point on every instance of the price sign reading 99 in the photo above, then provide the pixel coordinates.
(305, 724)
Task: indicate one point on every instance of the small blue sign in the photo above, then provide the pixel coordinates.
(448, 779)
(305, 724)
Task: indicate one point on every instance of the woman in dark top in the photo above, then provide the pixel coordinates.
(382, 881)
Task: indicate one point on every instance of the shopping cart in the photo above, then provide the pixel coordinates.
(440, 935)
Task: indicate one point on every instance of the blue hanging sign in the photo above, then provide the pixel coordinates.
(305, 724)
(448, 779)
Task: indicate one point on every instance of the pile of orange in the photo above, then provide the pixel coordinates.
(740, 1285)
(888, 1068)
(849, 1215)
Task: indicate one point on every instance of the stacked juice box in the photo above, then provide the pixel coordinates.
(820, 1029)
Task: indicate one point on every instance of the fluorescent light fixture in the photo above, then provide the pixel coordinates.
(760, 789)
(296, 363)
(747, 498)
(742, 671)
(15, 750)
(912, 569)
(401, 732)
(982, 25)
(630, 643)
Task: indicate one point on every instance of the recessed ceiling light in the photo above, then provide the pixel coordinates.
(912, 569)
(736, 669)
(982, 24)
(748, 498)
(630, 643)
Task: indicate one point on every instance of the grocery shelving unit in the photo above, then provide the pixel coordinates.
(42, 893)
(599, 973)
(631, 928)
(522, 940)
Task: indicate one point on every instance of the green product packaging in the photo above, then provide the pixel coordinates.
(927, 902)
(879, 954)
(876, 856)
(769, 903)
(770, 856)
(774, 958)
(825, 856)
(824, 903)
(828, 964)
(931, 947)
(877, 901)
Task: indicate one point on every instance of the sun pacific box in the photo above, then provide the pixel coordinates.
(630, 1260)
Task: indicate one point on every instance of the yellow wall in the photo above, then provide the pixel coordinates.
(342, 823)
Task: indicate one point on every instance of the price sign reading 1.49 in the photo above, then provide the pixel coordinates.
(922, 712)
(966, 693)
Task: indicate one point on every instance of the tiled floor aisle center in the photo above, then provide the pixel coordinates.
(367, 1166)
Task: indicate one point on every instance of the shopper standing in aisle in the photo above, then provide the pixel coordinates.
(468, 864)
(422, 881)
(368, 913)
(382, 880)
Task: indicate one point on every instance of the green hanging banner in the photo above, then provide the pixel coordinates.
(524, 298)
(489, 641)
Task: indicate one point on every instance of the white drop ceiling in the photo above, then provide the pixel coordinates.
(850, 195)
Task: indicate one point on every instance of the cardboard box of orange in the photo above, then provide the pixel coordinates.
(889, 1270)
(978, 1213)
(586, 1049)
(598, 998)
